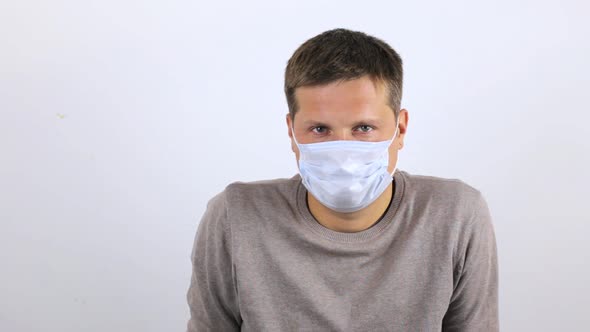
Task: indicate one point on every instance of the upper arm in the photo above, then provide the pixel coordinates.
(474, 303)
(212, 297)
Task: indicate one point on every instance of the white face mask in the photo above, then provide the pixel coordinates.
(345, 176)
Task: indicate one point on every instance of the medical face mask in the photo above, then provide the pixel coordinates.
(345, 176)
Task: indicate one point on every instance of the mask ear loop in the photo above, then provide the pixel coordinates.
(393, 139)
(293, 134)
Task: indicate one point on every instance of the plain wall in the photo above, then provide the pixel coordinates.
(121, 119)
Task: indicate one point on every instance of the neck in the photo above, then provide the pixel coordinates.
(354, 221)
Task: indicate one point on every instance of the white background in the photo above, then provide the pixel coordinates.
(120, 119)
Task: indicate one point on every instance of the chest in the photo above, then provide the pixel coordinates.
(296, 287)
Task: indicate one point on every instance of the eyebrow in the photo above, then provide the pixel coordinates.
(372, 122)
(314, 123)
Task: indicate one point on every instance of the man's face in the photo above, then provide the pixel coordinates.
(350, 110)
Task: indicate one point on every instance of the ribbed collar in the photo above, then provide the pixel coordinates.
(362, 236)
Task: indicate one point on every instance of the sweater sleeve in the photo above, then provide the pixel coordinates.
(212, 296)
(474, 302)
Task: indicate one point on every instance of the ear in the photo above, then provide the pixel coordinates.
(290, 132)
(402, 127)
(289, 125)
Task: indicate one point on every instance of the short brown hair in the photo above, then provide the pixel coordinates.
(340, 55)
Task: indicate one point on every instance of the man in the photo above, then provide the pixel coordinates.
(350, 243)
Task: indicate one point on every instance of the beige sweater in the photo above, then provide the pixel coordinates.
(261, 262)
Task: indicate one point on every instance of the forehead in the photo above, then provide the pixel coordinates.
(350, 95)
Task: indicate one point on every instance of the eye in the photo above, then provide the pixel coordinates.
(365, 128)
(319, 130)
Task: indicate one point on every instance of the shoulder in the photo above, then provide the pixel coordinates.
(261, 191)
(241, 199)
(242, 196)
(451, 195)
(454, 207)
(438, 185)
